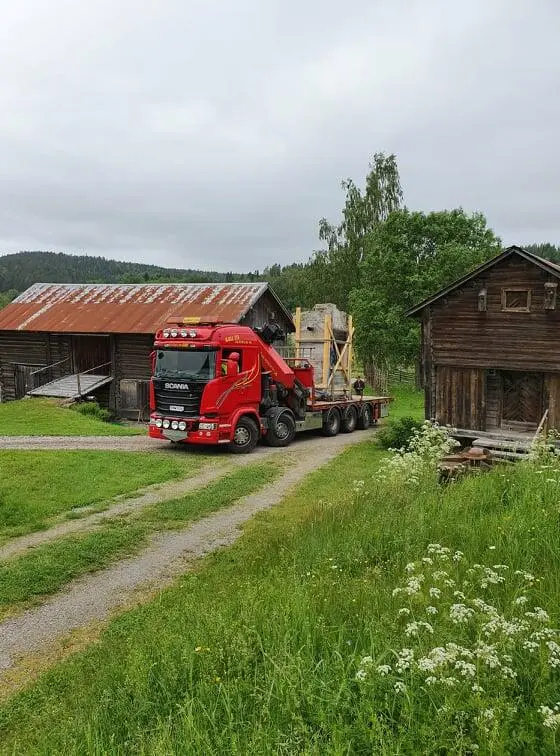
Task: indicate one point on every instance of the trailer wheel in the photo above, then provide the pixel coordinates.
(331, 422)
(365, 417)
(281, 428)
(245, 437)
(349, 419)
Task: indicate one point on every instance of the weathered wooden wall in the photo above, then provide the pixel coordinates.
(461, 335)
(493, 401)
(59, 349)
(131, 362)
(31, 350)
(259, 314)
(460, 397)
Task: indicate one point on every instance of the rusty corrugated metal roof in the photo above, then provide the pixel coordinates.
(125, 308)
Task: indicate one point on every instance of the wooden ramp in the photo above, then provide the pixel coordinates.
(505, 444)
(72, 386)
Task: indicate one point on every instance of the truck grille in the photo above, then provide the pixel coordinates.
(188, 399)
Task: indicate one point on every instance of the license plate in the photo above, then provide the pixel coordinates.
(175, 435)
(176, 408)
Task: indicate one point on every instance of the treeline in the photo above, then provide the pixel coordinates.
(548, 251)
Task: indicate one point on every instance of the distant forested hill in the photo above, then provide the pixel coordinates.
(18, 271)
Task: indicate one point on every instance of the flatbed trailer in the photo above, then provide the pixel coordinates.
(376, 406)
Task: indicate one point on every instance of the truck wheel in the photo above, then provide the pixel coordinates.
(331, 422)
(364, 418)
(245, 437)
(281, 429)
(349, 419)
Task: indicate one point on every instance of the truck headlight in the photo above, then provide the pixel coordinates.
(174, 424)
(182, 425)
(165, 423)
(207, 426)
(159, 423)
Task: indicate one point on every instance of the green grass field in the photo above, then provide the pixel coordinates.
(406, 402)
(44, 417)
(45, 569)
(368, 614)
(273, 645)
(38, 486)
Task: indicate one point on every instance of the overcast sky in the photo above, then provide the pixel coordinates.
(215, 133)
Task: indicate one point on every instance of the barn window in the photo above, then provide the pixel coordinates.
(516, 300)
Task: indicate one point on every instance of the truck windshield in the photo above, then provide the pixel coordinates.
(192, 364)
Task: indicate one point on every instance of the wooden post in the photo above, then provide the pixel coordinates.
(297, 323)
(79, 387)
(541, 426)
(350, 357)
(112, 385)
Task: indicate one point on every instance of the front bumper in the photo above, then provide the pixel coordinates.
(220, 434)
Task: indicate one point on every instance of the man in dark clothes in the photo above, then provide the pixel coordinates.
(359, 386)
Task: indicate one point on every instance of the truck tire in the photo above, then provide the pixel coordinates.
(349, 419)
(331, 422)
(365, 417)
(281, 428)
(245, 437)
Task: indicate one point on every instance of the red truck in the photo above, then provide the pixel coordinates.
(222, 383)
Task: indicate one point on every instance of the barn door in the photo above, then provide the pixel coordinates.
(90, 352)
(522, 399)
(23, 379)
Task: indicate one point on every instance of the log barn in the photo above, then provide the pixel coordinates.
(73, 340)
(491, 346)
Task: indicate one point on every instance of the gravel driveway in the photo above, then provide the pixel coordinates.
(101, 443)
(144, 443)
(95, 597)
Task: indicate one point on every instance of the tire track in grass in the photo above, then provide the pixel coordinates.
(94, 598)
(46, 569)
(121, 505)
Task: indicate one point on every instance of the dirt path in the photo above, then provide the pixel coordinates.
(84, 443)
(96, 597)
(138, 444)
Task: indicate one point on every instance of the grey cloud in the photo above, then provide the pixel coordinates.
(215, 134)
